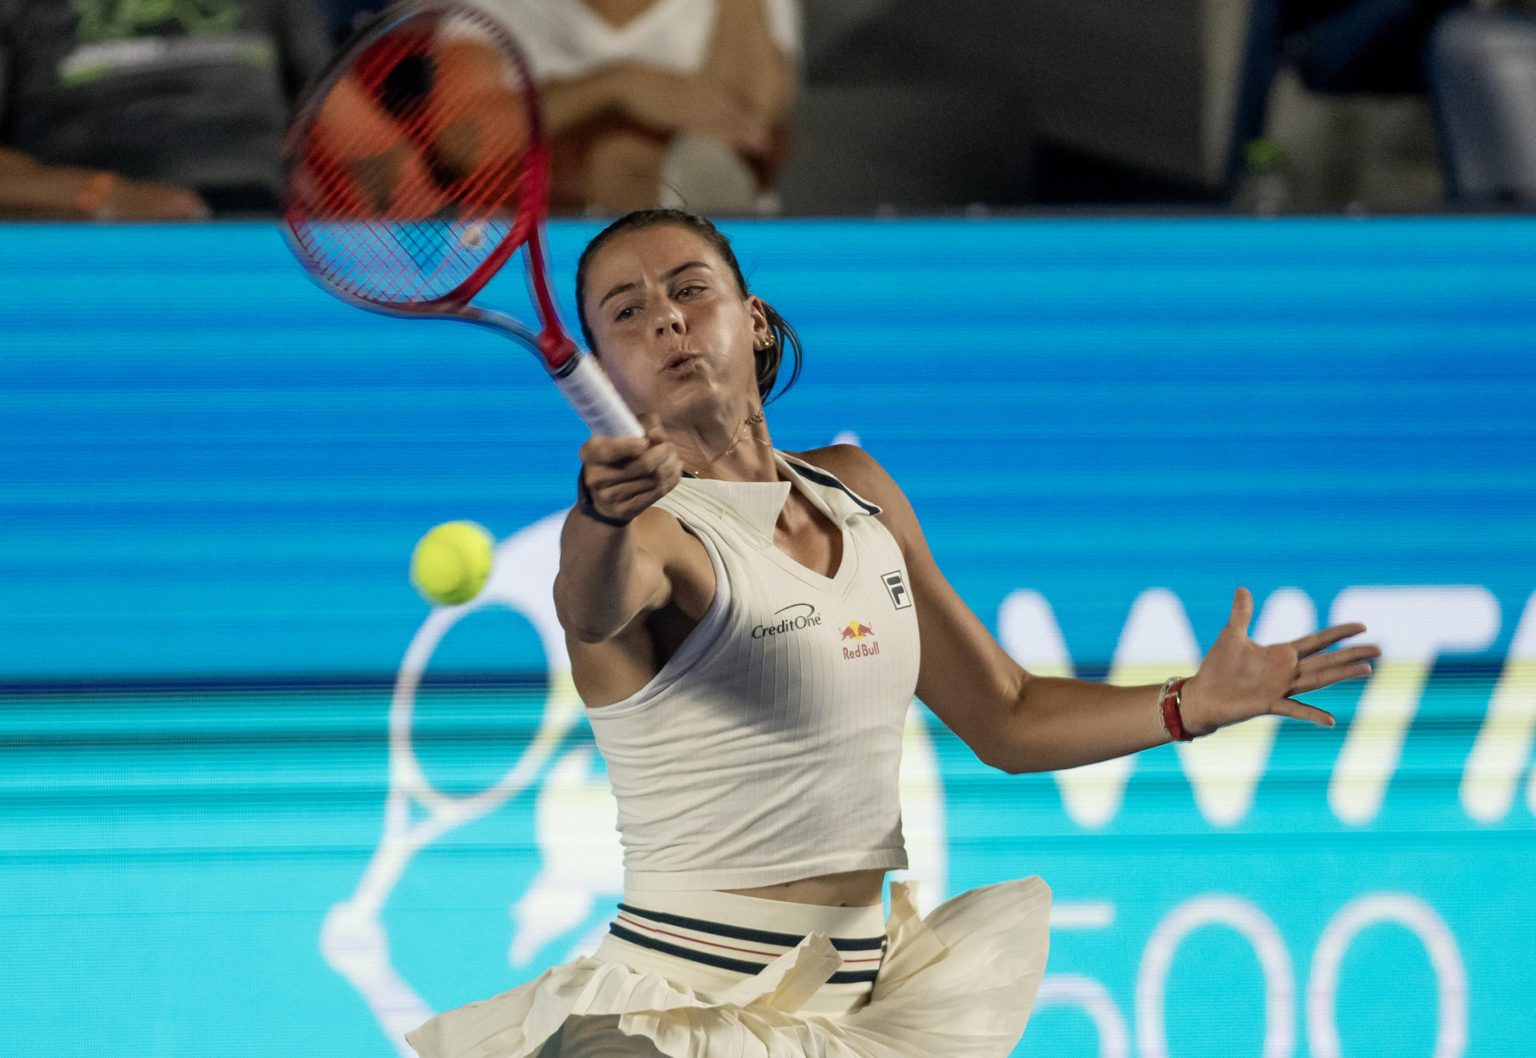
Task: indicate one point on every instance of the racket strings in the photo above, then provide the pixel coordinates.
(418, 164)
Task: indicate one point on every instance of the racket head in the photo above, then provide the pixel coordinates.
(416, 165)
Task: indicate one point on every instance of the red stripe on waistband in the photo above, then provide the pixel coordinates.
(696, 940)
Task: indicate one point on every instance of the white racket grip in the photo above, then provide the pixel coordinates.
(596, 401)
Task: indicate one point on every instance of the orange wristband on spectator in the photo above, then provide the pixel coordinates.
(92, 198)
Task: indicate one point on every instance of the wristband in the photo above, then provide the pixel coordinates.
(1170, 701)
(92, 199)
(585, 506)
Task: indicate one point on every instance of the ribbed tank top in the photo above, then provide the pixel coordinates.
(767, 748)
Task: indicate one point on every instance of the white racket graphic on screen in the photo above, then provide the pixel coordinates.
(353, 940)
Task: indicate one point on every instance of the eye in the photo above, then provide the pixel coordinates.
(689, 290)
(625, 313)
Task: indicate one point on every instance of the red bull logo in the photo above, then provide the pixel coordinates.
(862, 637)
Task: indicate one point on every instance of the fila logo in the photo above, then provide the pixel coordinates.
(900, 597)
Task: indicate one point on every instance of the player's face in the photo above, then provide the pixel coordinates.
(672, 329)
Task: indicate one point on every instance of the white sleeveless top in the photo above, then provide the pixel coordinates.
(767, 748)
(565, 38)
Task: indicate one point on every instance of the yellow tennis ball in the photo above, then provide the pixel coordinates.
(452, 562)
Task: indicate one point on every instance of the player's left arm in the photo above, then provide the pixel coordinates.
(1018, 722)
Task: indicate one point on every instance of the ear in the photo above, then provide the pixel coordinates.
(758, 310)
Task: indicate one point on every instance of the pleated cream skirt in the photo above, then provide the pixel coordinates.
(957, 984)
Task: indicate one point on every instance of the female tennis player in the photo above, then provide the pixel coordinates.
(747, 627)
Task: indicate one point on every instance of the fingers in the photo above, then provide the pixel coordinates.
(1302, 711)
(718, 116)
(600, 453)
(625, 475)
(670, 101)
(629, 505)
(627, 500)
(648, 464)
(1326, 669)
(749, 135)
(1311, 644)
(655, 467)
(729, 123)
(1341, 657)
(1327, 677)
(134, 200)
(627, 492)
(1242, 610)
(182, 204)
(1242, 617)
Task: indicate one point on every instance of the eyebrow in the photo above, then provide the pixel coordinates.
(679, 270)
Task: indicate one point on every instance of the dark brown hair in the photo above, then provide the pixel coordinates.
(784, 336)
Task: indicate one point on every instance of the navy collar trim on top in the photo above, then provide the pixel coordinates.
(821, 477)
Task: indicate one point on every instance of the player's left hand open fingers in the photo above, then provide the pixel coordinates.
(1324, 677)
(1320, 670)
(1333, 659)
(1302, 711)
(1322, 640)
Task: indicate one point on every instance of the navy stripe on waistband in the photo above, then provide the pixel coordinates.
(844, 977)
(787, 940)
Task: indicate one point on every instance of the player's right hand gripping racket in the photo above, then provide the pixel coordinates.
(415, 167)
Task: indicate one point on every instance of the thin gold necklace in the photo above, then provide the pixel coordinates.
(741, 433)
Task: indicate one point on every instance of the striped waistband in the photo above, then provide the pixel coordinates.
(751, 941)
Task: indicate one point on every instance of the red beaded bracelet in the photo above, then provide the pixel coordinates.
(1170, 701)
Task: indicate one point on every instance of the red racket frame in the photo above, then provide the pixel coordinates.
(581, 380)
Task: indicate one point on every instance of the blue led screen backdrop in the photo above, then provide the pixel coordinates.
(259, 798)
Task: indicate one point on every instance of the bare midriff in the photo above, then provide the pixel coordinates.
(848, 889)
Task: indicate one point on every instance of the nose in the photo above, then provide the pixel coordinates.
(668, 320)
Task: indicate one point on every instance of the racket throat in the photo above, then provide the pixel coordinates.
(559, 353)
(556, 350)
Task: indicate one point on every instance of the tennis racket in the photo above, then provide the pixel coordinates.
(415, 167)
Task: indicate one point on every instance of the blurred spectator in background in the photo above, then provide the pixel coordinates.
(343, 17)
(1482, 70)
(1348, 81)
(148, 110)
(1374, 46)
(662, 102)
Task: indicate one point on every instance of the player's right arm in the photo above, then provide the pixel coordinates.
(611, 575)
